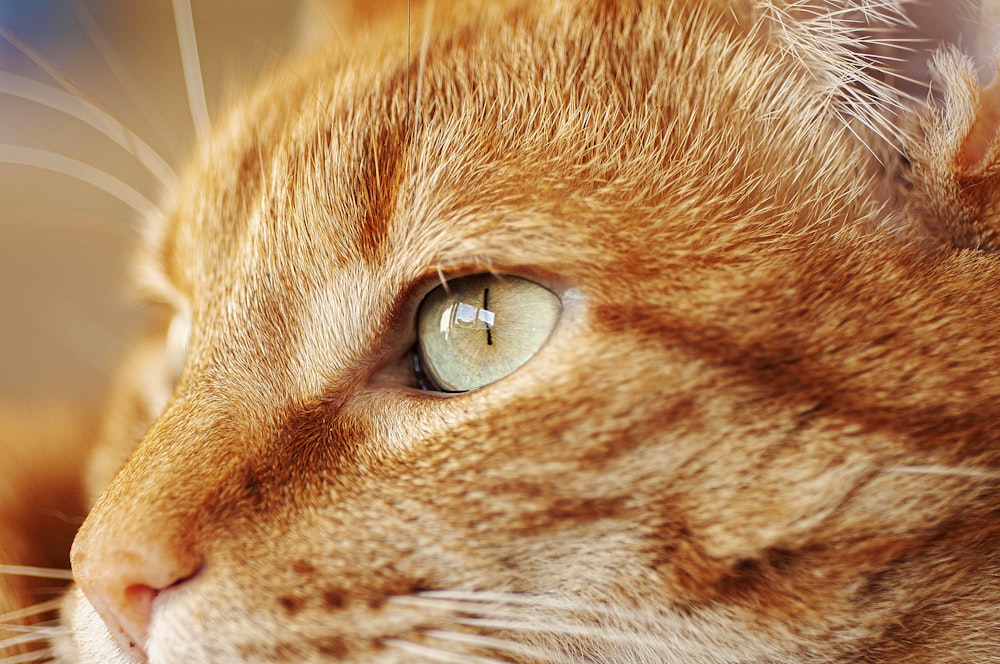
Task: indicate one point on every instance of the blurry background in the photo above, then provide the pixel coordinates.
(65, 312)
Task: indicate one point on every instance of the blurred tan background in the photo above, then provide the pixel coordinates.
(65, 311)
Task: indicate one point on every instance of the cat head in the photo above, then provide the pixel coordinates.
(624, 331)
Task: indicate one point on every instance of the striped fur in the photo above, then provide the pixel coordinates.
(763, 430)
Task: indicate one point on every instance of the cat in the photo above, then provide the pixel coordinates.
(584, 331)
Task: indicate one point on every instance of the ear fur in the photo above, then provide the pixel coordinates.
(908, 79)
(956, 156)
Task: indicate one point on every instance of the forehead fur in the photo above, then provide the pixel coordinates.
(517, 124)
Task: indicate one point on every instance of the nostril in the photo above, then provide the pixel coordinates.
(122, 582)
(129, 613)
(134, 613)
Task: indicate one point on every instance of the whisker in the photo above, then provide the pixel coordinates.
(64, 102)
(425, 42)
(41, 62)
(31, 629)
(192, 68)
(33, 657)
(422, 602)
(29, 611)
(39, 636)
(454, 606)
(540, 615)
(480, 596)
(499, 605)
(52, 161)
(505, 645)
(121, 73)
(979, 473)
(606, 634)
(56, 74)
(439, 655)
(518, 601)
(38, 572)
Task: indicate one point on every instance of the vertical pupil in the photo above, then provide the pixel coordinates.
(450, 330)
(486, 306)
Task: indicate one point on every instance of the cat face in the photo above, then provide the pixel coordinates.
(587, 333)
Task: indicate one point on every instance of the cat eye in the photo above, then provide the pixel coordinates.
(475, 330)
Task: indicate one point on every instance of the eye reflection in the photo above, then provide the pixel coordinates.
(481, 328)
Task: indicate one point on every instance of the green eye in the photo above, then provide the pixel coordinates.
(478, 329)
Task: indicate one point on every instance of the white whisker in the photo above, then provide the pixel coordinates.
(53, 71)
(493, 599)
(438, 655)
(495, 609)
(29, 611)
(40, 61)
(84, 111)
(602, 633)
(33, 657)
(52, 161)
(38, 572)
(980, 473)
(504, 645)
(34, 629)
(192, 68)
(483, 596)
(547, 627)
(121, 72)
(500, 605)
(564, 619)
(432, 603)
(39, 636)
(425, 42)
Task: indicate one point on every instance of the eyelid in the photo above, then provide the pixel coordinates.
(457, 269)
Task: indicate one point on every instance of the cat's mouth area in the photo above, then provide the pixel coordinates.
(397, 628)
(88, 638)
(176, 633)
(425, 625)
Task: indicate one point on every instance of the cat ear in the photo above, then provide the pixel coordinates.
(955, 158)
(919, 76)
(966, 73)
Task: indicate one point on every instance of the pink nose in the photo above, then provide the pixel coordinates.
(122, 574)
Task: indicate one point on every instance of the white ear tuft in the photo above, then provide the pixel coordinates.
(922, 75)
(955, 158)
(857, 52)
(873, 59)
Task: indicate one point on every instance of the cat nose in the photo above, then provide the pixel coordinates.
(122, 573)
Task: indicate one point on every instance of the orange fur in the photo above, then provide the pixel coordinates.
(762, 431)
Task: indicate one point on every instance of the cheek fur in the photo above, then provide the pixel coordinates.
(762, 428)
